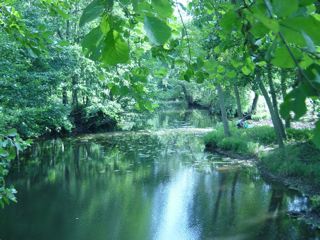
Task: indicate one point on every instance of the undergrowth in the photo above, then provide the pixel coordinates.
(243, 141)
(298, 160)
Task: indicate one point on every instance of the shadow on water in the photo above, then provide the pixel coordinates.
(158, 185)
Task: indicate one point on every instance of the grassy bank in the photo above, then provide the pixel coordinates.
(299, 161)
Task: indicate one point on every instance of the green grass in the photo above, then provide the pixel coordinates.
(243, 141)
(299, 134)
(300, 161)
(250, 141)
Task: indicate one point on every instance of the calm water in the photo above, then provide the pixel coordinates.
(146, 185)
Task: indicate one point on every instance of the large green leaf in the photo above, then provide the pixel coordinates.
(294, 102)
(246, 70)
(284, 8)
(283, 59)
(259, 12)
(163, 8)
(295, 29)
(91, 43)
(272, 24)
(157, 31)
(229, 21)
(258, 29)
(115, 49)
(306, 2)
(92, 11)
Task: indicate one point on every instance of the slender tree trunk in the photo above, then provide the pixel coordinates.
(64, 87)
(254, 103)
(284, 92)
(68, 30)
(275, 102)
(75, 91)
(239, 108)
(271, 110)
(64, 95)
(76, 25)
(223, 112)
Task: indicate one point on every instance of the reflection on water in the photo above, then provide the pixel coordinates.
(172, 219)
(145, 186)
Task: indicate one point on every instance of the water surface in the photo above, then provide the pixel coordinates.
(146, 185)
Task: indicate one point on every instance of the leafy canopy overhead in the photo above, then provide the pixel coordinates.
(106, 43)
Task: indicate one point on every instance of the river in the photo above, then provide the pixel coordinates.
(156, 183)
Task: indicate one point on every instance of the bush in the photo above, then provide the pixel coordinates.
(214, 137)
(299, 134)
(96, 117)
(262, 134)
(239, 142)
(35, 122)
(238, 145)
(233, 144)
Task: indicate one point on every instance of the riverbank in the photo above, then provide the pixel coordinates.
(296, 167)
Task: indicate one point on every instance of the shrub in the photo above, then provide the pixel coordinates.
(214, 137)
(34, 121)
(233, 144)
(299, 134)
(96, 117)
(261, 134)
(239, 142)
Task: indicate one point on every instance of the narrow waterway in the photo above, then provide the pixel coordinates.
(156, 183)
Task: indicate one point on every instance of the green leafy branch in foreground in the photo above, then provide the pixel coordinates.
(106, 43)
(10, 146)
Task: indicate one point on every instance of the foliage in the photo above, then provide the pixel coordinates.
(249, 141)
(240, 142)
(80, 65)
(299, 134)
(106, 41)
(286, 37)
(40, 91)
(263, 134)
(10, 146)
(96, 117)
(299, 160)
(315, 202)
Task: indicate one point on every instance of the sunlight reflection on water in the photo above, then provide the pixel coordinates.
(175, 215)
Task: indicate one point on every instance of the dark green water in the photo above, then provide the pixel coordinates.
(146, 185)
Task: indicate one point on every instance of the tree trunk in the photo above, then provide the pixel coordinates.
(223, 111)
(254, 103)
(74, 91)
(239, 108)
(64, 96)
(275, 102)
(271, 110)
(284, 92)
(68, 29)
